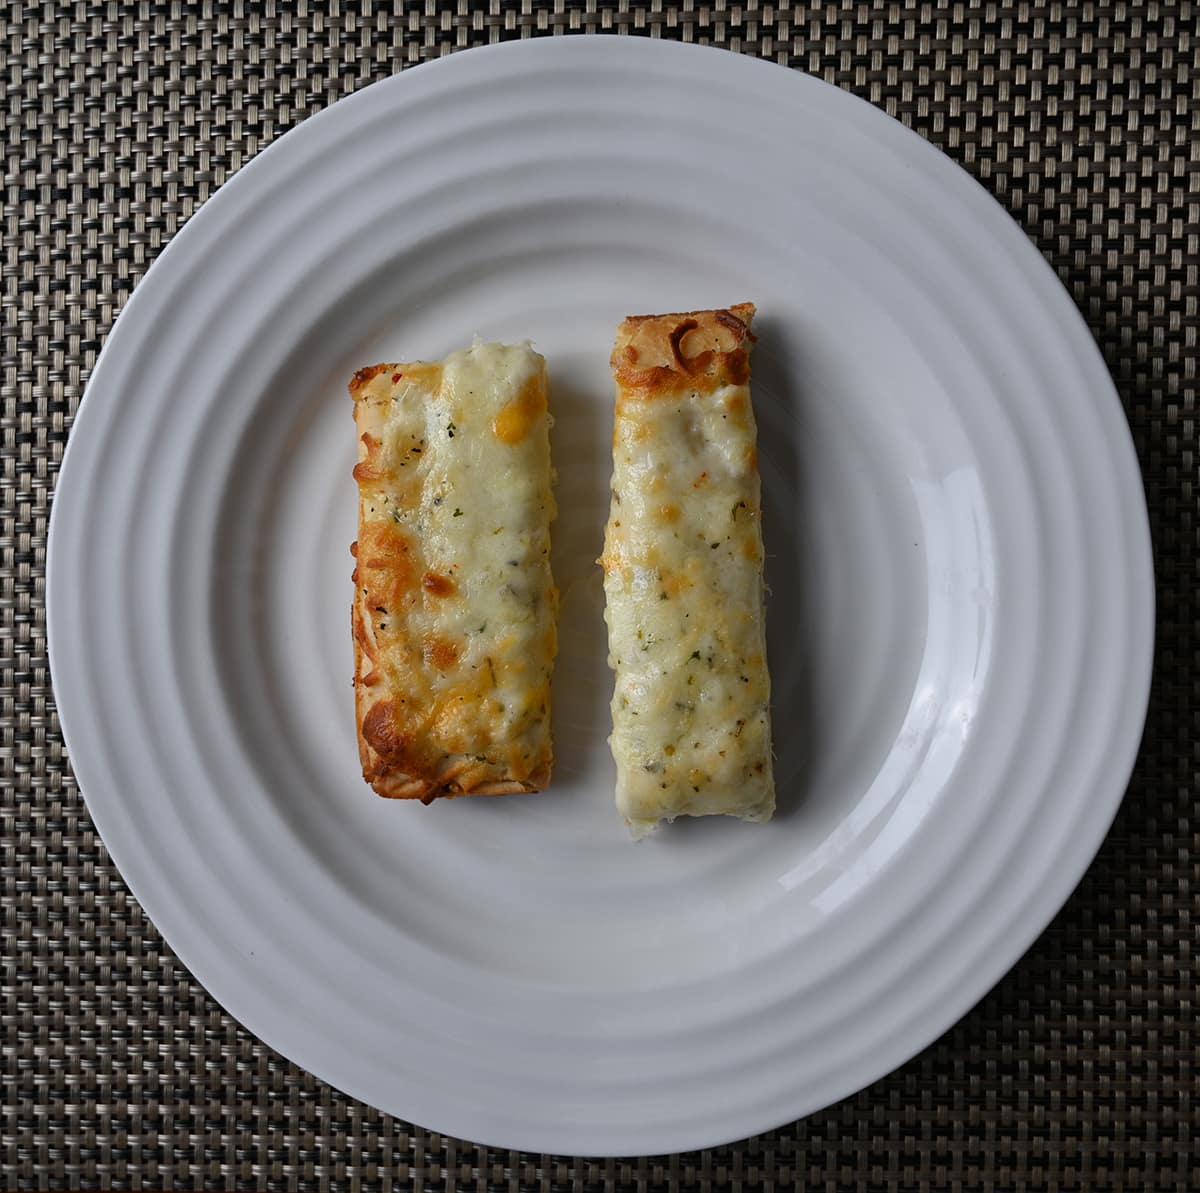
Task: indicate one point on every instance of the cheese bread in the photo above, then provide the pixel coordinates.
(683, 574)
(454, 603)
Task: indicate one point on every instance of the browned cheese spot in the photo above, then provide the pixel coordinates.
(380, 731)
(386, 563)
(437, 584)
(441, 653)
(517, 417)
(368, 468)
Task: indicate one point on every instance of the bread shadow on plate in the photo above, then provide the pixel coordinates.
(581, 442)
(779, 404)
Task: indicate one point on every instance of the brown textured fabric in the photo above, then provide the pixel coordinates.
(1079, 1071)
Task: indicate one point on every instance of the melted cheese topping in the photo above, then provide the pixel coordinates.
(455, 603)
(684, 585)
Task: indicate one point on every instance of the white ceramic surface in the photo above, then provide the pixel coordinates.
(960, 613)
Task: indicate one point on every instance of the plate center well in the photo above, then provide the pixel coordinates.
(856, 511)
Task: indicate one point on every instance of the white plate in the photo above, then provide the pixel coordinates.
(960, 619)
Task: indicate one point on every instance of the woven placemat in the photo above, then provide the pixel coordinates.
(1077, 1072)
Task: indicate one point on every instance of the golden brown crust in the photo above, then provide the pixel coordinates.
(411, 745)
(690, 350)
